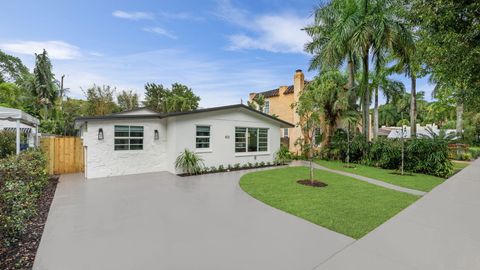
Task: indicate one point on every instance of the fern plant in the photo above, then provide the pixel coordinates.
(189, 162)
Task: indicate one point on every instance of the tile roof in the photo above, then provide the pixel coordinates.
(275, 92)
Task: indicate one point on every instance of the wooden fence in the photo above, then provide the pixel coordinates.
(64, 154)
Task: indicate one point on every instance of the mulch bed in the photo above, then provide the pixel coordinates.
(231, 170)
(22, 254)
(308, 182)
(404, 174)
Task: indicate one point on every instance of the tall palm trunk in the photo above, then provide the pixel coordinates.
(459, 124)
(413, 107)
(375, 115)
(351, 72)
(366, 97)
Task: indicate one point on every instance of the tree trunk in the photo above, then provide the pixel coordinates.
(375, 115)
(351, 72)
(413, 107)
(366, 97)
(459, 122)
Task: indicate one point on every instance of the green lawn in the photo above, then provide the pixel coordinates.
(458, 166)
(346, 205)
(414, 181)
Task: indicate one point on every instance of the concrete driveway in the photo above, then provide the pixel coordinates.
(161, 221)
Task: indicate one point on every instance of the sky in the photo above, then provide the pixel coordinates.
(222, 49)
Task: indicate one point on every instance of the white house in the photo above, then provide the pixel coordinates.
(142, 140)
(422, 131)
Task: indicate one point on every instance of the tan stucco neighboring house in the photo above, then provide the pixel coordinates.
(279, 102)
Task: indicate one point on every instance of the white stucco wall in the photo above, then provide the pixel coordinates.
(102, 160)
(182, 131)
(176, 134)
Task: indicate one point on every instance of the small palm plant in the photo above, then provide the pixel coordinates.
(189, 162)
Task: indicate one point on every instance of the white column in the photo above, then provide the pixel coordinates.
(18, 137)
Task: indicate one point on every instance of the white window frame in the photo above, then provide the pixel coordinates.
(246, 136)
(266, 109)
(129, 138)
(286, 133)
(203, 137)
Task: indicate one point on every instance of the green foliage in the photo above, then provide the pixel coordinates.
(448, 37)
(43, 86)
(12, 69)
(221, 168)
(257, 103)
(22, 181)
(7, 143)
(189, 162)
(428, 156)
(127, 100)
(325, 100)
(385, 153)
(283, 155)
(179, 99)
(100, 100)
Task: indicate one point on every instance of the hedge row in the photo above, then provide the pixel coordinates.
(22, 180)
(421, 155)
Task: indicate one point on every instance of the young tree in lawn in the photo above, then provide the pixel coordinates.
(325, 100)
(127, 100)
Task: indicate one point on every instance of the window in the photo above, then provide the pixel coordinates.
(285, 132)
(202, 139)
(128, 138)
(251, 139)
(267, 107)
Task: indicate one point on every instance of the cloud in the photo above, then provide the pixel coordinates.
(136, 15)
(216, 81)
(56, 49)
(180, 16)
(160, 31)
(279, 33)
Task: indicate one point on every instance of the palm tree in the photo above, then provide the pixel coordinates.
(330, 46)
(392, 89)
(365, 28)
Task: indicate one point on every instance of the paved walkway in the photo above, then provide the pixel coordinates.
(161, 221)
(441, 231)
(359, 177)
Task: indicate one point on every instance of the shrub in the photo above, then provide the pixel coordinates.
(22, 180)
(221, 168)
(7, 143)
(245, 166)
(229, 167)
(385, 153)
(358, 146)
(236, 166)
(283, 155)
(250, 165)
(269, 163)
(213, 169)
(262, 164)
(189, 162)
(428, 156)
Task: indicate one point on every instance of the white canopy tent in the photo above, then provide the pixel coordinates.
(21, 122)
